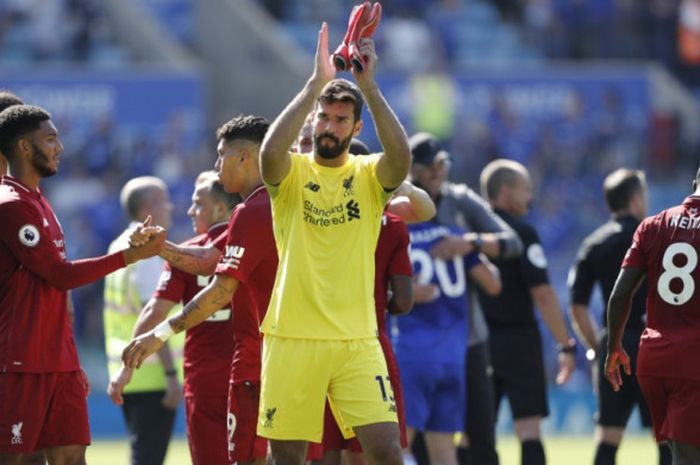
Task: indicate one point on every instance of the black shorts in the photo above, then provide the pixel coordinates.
(615, 408)
(518, 370)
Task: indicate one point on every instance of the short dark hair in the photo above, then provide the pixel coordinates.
(209, 180)
(620, 186)
(8, 99)
(246, 127)
(342, 90)
(16, 122)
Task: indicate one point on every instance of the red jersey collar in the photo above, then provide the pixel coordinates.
(16, 183)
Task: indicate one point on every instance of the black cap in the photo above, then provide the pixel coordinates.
(426, 149)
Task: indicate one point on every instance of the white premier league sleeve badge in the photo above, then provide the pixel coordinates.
(29, 235)
(535, 253)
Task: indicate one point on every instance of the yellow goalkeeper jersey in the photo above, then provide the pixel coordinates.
(326, 222)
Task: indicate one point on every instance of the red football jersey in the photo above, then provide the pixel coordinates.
(250, 256)
(666, 246)
(35, 331)
(390, 259)
(209, 345)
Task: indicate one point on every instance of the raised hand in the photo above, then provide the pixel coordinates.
(365, 78)
(324, 70)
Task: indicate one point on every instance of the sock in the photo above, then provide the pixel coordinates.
(665, 457)
(605, 454)
(532, 453)
(464, 456)
(408, 459)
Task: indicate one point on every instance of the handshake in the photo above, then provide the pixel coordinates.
(363, 21)
(145, 241)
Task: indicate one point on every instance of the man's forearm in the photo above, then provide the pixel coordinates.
(215, 296)
(153, 313)
(391, 135)
(546, 301)
(583, 326)
(285, 130)
(200, 261)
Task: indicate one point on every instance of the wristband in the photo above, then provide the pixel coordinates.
(569, 348)
(477, 243)
(163, 331)
(171, 372)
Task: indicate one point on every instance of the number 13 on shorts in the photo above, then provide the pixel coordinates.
(385, 388)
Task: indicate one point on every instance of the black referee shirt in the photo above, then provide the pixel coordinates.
(514, 306)
(598, 260)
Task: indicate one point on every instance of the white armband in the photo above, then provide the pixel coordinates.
(163, 331)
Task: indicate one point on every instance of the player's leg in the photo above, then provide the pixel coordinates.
(244, 445)
(11, 459)
(150, 425)
(65, 433)
(614, 408)
(441, 447)
(37, 458)
(283, 452)
(528, 431)
(294, 382)
(442, 425)
(381, 443)
(206, 429)
(361, 395)
(419, 381)
(66, 455)
(684, 454)
(481, 413)
(525, 385)
(630, 342)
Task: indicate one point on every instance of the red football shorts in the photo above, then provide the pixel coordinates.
(244, 445)
(43, 410)
(675, 408)
(206, 429)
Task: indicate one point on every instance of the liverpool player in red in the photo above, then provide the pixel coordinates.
(208, 347)
(248, 264)
(42, 391)
(664, 249)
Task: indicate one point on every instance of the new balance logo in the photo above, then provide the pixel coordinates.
(234, 251)
(312, 186)
(17, 433)
(353, 210)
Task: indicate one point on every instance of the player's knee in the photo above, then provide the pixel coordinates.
(388, 453)
(287, 452)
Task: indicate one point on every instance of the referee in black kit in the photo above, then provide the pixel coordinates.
(598, 260)
(515, 342)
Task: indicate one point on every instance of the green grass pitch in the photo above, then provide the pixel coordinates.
(561, 450)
